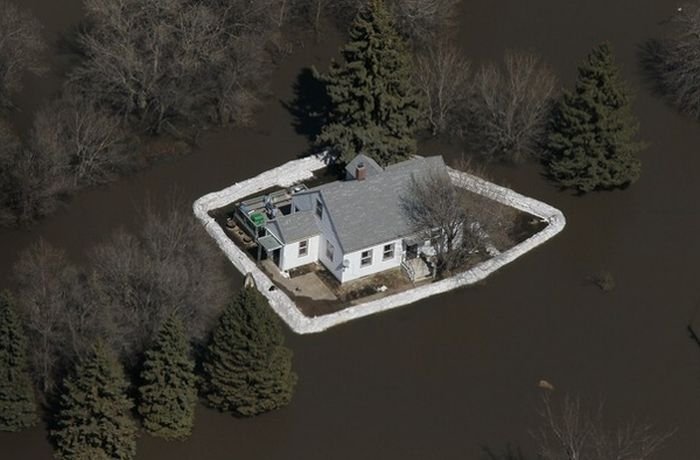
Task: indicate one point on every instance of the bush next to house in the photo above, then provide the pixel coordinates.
(17, 402)
(592, 140)
(94, 417)
(374, 105)
(168, 393)
(248, 369)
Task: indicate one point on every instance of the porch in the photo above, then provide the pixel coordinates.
(418, 260)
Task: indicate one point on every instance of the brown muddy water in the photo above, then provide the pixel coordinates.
(450, 376)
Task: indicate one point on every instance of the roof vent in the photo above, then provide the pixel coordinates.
(360, 171)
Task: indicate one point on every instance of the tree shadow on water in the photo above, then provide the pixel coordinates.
(651, 56)
(509, 453)
(666, 74)
(310, 106)
(694, 327)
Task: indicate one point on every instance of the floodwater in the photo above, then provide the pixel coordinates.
(453, 375)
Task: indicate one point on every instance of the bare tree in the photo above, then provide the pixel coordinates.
(10, 152)
(265, 16)
(253, 18)
(313, 12)
(41, 181)
(434, 209)
(572, 431)
(509, 106)
(32, 181)
(458, 222)
(283, 9)
(676, 60)
(442, 74)
(21, 48)
(158, 61)
(92, 140)
(47, 285)
(317, 10)
(73, 143)
(234, 97)
(133, 284)
(423, 21)
(169, 267)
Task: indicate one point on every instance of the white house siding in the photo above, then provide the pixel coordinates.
(355, 271)
(335, 266)
(289, 255)
(308, 202)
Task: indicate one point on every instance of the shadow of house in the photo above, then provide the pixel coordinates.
(310, 107)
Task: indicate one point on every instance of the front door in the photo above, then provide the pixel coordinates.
(411, 251)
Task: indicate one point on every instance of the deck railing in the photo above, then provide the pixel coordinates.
(409, 270)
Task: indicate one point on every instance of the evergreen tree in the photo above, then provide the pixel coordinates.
(168, 394)
(591, 144)
(94, 419)
(375, 107)
(17, 403)
(248, 369)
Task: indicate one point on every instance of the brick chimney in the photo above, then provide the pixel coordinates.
(360, 171)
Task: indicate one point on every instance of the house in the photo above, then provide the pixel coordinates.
(354, 227)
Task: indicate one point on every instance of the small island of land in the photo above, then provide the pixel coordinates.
(325, 250)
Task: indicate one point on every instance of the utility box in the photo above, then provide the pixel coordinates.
(258, 219)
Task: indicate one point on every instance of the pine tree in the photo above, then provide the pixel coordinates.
(248, 369)
(591, 144)
(17, 403)
(375, 107)
(94, 418)
(168, 394)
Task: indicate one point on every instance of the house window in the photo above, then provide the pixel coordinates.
(303, 248)
(319, 209)
(388, 251)
(329, 250)
(366, 258)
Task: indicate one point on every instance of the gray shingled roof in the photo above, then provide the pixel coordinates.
(294, 227)
(368, 212)
(370, 165)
